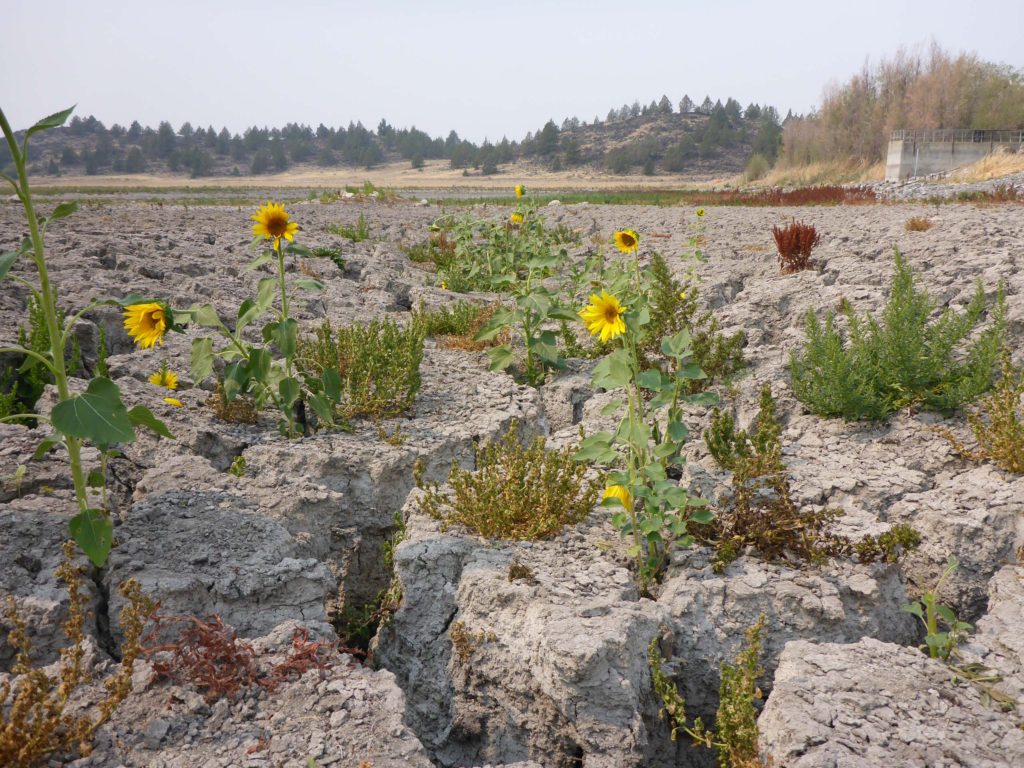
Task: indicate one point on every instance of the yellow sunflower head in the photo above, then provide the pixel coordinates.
(272, 224)
(603, 316)
(165, 378)
(146, 323)
(627, 240)
(173, 401)
(700, 213)
(516, 218)
(520, 191)
(619, 492)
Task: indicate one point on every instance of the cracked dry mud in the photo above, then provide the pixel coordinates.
(555, 673)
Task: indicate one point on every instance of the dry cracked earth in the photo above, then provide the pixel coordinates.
(555, 671)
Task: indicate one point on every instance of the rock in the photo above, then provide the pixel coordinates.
(873, 703)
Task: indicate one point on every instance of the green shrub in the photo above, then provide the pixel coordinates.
(357, 234)
(674, 306)
(901, 360)
(762, 514)
(516, 492)
(378, 363)
(757, 168)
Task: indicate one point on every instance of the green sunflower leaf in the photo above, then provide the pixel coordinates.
(501, 357)
(97, 415)
(55, 120)
(141, 416)
(6, 262)
(64, 209)
(94, 533)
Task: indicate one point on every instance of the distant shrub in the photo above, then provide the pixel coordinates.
(795, 242)
(757, 167)
(378, 364)
(902, 360)
(762, 514)
(997, 426)
(918, 224)
(516, 492)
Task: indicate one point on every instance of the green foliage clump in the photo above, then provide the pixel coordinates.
(516, 492)
(674, 306)
(334, 254)
(900, 361)
(997, 427)
(762, 513)
(378, 365)
(462, 319)
(734, 737)
(21, 386)
(939, 643)
(357, 234)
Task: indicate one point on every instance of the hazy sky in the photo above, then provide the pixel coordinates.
(484, 69)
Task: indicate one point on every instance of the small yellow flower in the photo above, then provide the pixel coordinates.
(682, 295)
(165, 378)
(520, 191)
(516, 218)
(618, 492)
(272, 224)
(603, 316)
(700, 213)
(173, 401)
(146, 323)
(627, 240)
(444, 285)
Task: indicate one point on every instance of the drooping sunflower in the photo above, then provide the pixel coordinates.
(272, 224)
(173, 401)
(146, 323)
(165, 378)
(520, 191)
(627, 240)
(516, 218)
(618, 492)
(603, 316)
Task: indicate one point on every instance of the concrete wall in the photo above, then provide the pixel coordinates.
(908, 157)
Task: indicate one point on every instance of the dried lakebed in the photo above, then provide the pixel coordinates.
(524, 653)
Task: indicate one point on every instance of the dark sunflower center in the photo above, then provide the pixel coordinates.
(611, 314)
(628, 241)
(277, 224)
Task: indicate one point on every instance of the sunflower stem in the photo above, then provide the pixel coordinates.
(48, 303)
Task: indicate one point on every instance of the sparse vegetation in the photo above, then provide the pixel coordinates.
(901, 360)
(762, 514)
(241, 410)
(456, 325)
(918, 224)
(377, 365)
(794, 242)
(943, 630)
(357, 233)
(334, 254)
(515, 493)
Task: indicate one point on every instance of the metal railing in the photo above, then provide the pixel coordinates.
(961, 135)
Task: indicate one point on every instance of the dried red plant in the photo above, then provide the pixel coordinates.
(795, 242)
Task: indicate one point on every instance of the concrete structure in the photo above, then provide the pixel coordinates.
(919, 153)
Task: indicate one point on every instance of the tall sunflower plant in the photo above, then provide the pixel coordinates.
(265, 369)
(643, 455)
(97, 416)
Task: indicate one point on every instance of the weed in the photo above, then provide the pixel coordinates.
(519, 572)
(458, 324)
(101, 352)
(334, 254)
(357, 234)
(901, 361)
(516, 492)
(237, 467)
(674, 306)
(33, 722)
(241, 410)
(794, 243)
(734, 737)
(762, 514)
(997, 427)
(396, 438)
(437, 249)
(306, 268)
(465, 642)
(939, 644)
(378, 365)
(918, 224)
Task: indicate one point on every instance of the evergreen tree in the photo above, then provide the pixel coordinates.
(685, 105)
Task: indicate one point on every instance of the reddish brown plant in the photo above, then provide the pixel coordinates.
(795, 242)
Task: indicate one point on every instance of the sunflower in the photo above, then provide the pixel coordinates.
(165, 378)
(146, 323)
(520, 191)
(627, 240)
(603, 316)
(618, 492)
(272, 224)
(516, 218)
(174, 401)
(700, 213)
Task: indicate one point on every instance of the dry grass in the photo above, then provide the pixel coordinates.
(918, 224)
(822, 173)
(1000, 163)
